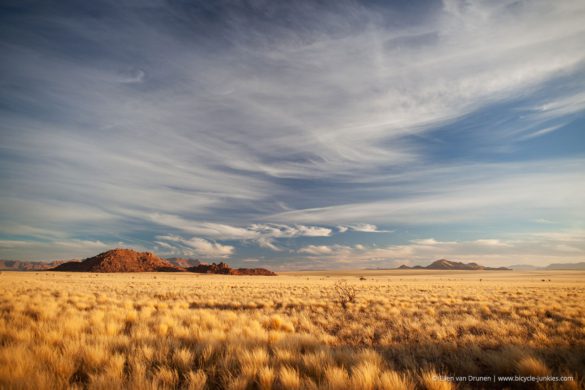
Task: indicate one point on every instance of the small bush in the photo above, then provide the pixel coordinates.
(345, 293)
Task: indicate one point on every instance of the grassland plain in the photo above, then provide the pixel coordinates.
(405, 330)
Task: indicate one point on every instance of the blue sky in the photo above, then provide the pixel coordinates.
(294, 135)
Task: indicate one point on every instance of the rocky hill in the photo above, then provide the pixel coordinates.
(224, 269)
(128, 260)
(120, 260)
(444, 264)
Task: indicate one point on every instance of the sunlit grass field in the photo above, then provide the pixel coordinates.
(402, 330)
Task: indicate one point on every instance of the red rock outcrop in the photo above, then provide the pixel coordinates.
(120, 260)
(224, 269)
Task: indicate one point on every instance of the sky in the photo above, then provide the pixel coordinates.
(294, 135)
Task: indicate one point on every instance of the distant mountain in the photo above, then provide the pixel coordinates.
(524, 267)
(403, 266)
(183, 262)
(560, 266)
(120, 260)
(444, 264)
(18, 265)
(224, 269)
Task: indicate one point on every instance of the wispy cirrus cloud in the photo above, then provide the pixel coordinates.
(196, 246)
(361, 227)
(316, 250)
(464, 193)
(268, 243)
(66, 249)
(264, 235)
(205, 229)
(272, 131)
(431, 242)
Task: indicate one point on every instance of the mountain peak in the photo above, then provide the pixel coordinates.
(121, 260)
(444, 264)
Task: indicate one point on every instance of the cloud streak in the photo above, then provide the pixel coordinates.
(362, 227)
(196, 246)
(281, 132)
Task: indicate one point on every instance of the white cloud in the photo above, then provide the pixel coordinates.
(263, 235)
(431, 242)
(268, 243)
(362, 227)
(135, 76)
(561, 107)
(205, 229)
(229, 232)
(13, 243)
(568, 248)
(63, 249)
(492, 242)
(568, 235)
(316, 250)
(85, 244)
(207, 248)
(286, 231)
(544, 131)
(165, 245)
(73, 244)
(196, 246)
(16, 229)
(543, 221)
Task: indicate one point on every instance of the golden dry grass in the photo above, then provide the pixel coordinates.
(143, 331)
